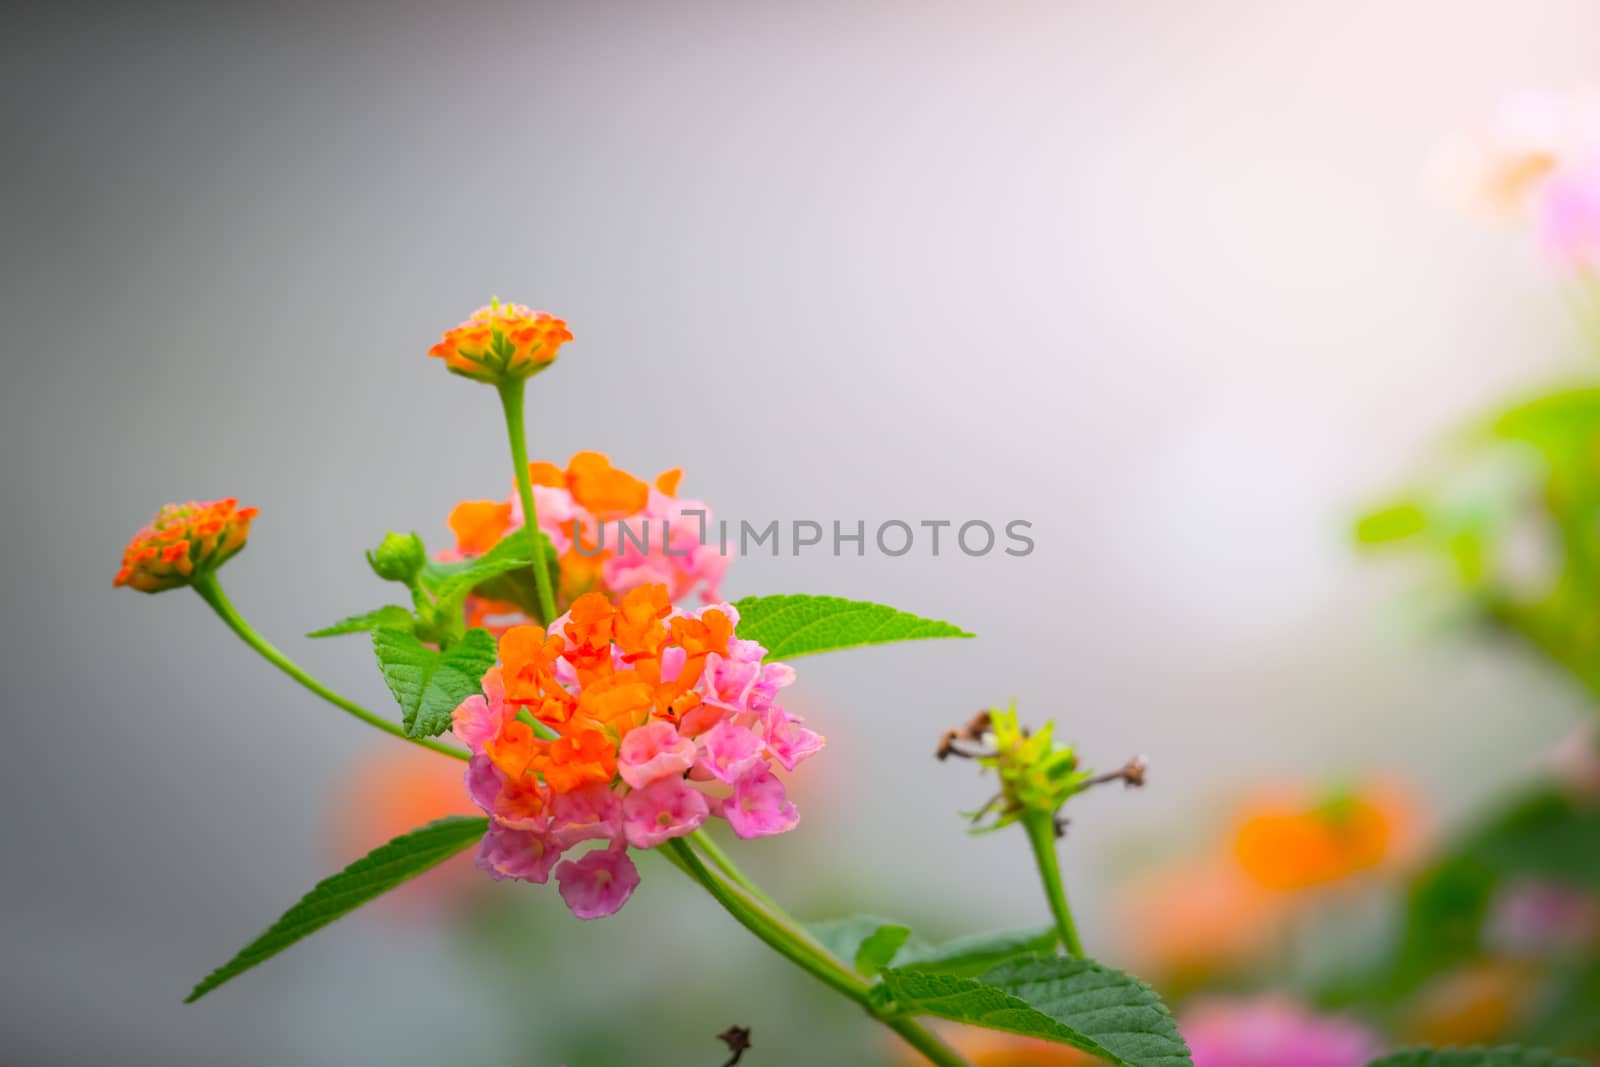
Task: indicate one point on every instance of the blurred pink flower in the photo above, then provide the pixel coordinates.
(1498, 169)
(1576, 761)
(1274, 1031)
(1533, 918)
(1569, 215)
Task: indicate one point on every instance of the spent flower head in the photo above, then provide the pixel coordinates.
(1037, 773)
(184, 542)
(502, 342)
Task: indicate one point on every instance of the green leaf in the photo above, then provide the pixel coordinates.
(1071, 1001)
(511, 553)
(1567, 1018)
(1509, 1056)
(1396, 522)
(969, 957)
(965, 956)
(1546, 836)
(391, 615)
(505, 572)
(1556, 417)
(799, 625)
(371, 876)
(429, 684)
(879, 948)
(844, 938)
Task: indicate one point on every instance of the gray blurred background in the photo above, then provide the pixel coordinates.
(1157, 277)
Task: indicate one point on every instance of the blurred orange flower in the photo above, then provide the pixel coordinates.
(991, 1048)
(1191, 920)
(390, 790)
(1292, 839)
(1476, 1004)
(573, 503)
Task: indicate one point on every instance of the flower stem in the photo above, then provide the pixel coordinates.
(1041, 827)
(782, 934)
(725, 864)
(768, 929)
(211, 592)
(511, 399)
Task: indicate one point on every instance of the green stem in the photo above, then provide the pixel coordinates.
(1041, 827)
(781, 934)
(211, 592)
(511, 399)
(725, 864)
(925, 1041)
(775, 933)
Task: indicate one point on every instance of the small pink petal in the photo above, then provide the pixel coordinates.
(520, 854)
(669, 808)
(730, 751)
(759, 807)
(483, 781)
(726, 682)
(787, 741)
(652, 752)
(599, 883)
(586, 814)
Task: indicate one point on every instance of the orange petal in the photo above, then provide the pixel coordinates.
(603, 489)
(667, 481)
(547, 474)
(479, 524)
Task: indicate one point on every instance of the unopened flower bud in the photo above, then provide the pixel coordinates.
(400, 558)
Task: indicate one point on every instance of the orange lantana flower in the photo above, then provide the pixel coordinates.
(183, 542)
(1293, 841)
(582, 509)
(502, 342)
(613, 698)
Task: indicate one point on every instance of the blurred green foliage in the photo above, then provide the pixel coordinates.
(1508, 526)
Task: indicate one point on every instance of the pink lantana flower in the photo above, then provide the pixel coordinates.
(625, 724)
(652, 752)
(669, 808)
(1534, 918)
(593, 812)
(728, 680)
(1569, 216)
(1274, 1031)
(786, 740)
(676, 558)
(481, 718)
(730, 751)
(759, 806)
(599, 883)
(521, 854)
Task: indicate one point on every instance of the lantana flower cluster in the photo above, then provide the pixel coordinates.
(182, 542)
(501, 342)
(625, 725)
(583, 509)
